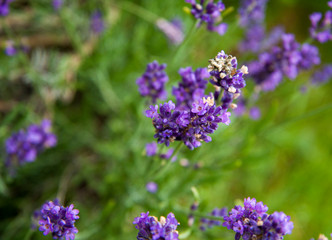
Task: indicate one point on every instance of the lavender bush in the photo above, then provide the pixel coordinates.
(243, 108)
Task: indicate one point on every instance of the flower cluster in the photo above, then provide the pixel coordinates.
(252, 222)
(191, 127)
(285, 60)
(322, 75)
(58, 220)
(4, 7)
(152, 82)
(226, 76)
(191, 88)
(211, 14)
(149, 228)
(320, 29)
(24, 146)
(209, 223)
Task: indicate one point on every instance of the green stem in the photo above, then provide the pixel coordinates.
(139, 11)
(28, 234)
(164, 168)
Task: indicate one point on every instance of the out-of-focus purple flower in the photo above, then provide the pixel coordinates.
(57, 4)
(255, 113)
(209, 223)
(4, 7)
(252, 12)
(253, 39)
(151, 187)
(209, 13)
(58, 220)
(152, 82)
(151, 149)
(191, 88)
(24, 145)
(97, 22)
(252, 222)
(241, 108)
(149, 228)
(320, 29)
(10, 49)
(280, 61)
(190, 127)
(173, 30)
(226, 76)
(168, 154)
(322, 75)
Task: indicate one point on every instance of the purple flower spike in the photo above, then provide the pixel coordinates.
(57, 220)
(284, 60)
(152, 82)
(24, 145)
(252, 222)
(149, 228)
(4, 7)
(97, 22)
(226, 76)
(173, 30)
(209, 13)
(57, 4)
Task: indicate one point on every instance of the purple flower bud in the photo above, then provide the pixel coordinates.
(151, 187)
(151, 149)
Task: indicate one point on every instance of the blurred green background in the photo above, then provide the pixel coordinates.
(86, 85)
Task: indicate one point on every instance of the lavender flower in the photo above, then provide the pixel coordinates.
(210, 13)
(57, 4)
(226, 76)
(320, 29)
(97, 22)
(24, 146)
(191, 88)
(209, 223)
(151, 187)
(4, 7)
(151, 229)
(252, 12)
(58, 220)
(151, 149)
(322, 75)
(173, 30)
(255, 113)
(152, 82)
(285, 60)
(252, 222)
(10, 49)
(190, 127)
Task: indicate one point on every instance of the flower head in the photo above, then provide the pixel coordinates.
(322, 75)
(252, 12)
(57, 4)
(4, 7)
(252, 222)
(24, 145)
(152, 82)
(209, 13)
(151, 229)
(58, 220)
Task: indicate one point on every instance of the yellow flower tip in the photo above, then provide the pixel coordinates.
(186, 10)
